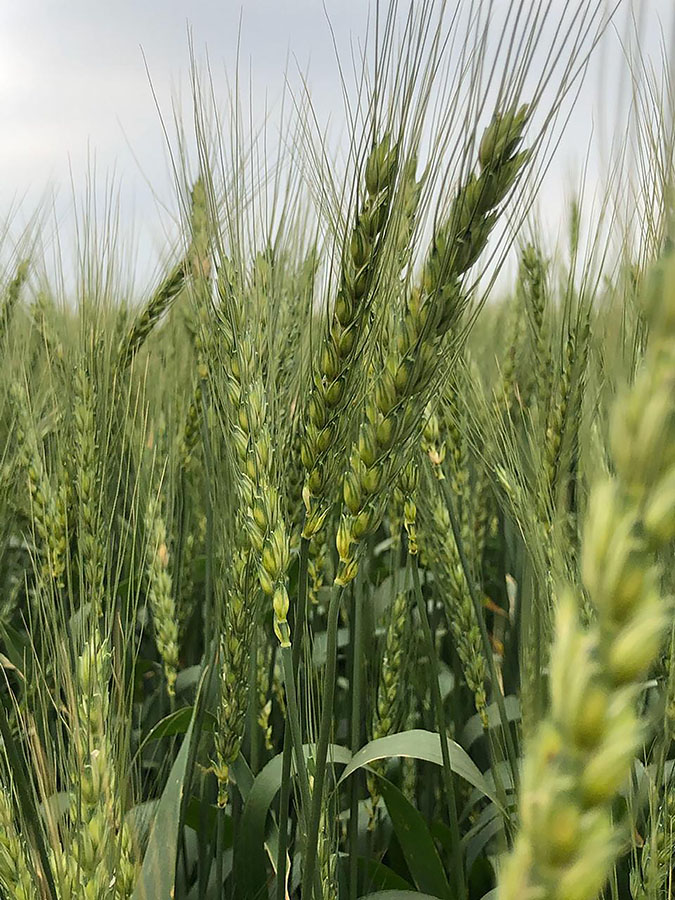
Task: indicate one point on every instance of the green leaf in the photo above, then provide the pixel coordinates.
(202, 819)
(478, 835)
(376, 875)
(488, 776)
(249, 852)
(474, 727)
(420, 744)
(416, 842)
(243, 776)
(140, 818)
(177, 722)
(158, 873)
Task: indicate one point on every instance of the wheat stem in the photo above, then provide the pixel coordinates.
(439, 716)
(323, 740)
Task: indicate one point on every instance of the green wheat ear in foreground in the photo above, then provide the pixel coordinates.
(585, 747)
(325, 573)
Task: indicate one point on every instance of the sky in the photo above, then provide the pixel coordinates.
(81, 82)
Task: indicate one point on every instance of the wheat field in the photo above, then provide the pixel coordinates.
(339, 562)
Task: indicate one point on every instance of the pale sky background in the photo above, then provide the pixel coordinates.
(74, 88)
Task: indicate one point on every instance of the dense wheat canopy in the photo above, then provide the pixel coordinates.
(338, 561)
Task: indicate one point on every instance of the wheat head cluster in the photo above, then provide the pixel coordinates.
(338, 562)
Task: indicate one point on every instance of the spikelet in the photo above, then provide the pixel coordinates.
(101, 860)
(11, 297)
(508, 393)
(91, 533)
(433, 442)
(199, 259)
(236, 640)
(389, 711)
(48, 506)
(191, 429)
(533, 288)
(246, 414)
(555, 426)
(199, 263)
(445, 444)
(317, 564)
(433, 309)
(654, 873)
(405, 217)
(482, 513)
(584, 749)
(261, 545)
(342, 340)
(442, 556)
(194, 544)
(155, 308)
(407, 486)
(160, 593)
(16, 878)
(42, 315)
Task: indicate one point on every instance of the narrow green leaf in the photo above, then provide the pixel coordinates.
(376, 875)
(250, 865)
(242, 776)
(158, 872)
(175, 723)
(416, 842)
(475, 846)
(489, 779)
(420, 744)
(178, 722)
(474, 727)
(140, 818)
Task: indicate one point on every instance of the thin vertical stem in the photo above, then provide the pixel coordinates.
(439, 714)
(324, 738)
(284, 800)
(293, 719)
(299, 622)
(254, 743)
(357, 653)
(208, 574)
(296, 738)
(220, 839)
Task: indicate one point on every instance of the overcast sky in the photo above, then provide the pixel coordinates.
(74, 88)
